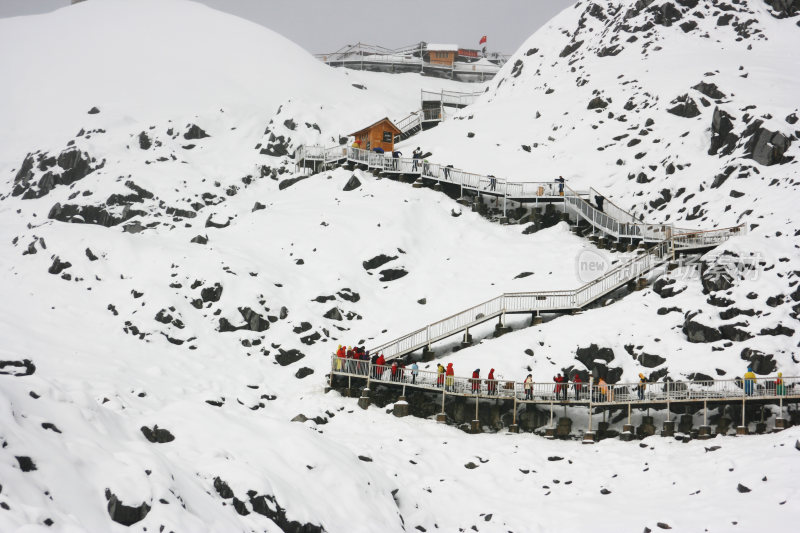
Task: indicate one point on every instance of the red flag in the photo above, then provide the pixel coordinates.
(483, 40)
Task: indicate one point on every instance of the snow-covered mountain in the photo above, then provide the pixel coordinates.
(165, 266)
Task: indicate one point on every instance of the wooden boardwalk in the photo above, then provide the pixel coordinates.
(771, 390)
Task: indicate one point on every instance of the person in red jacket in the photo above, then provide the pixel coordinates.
(577, 384)
(450, 382)
(559, 379)
(491, 384)
(380, 362)
(394, 371)
(476, 381)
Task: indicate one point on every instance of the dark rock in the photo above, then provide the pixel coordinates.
(742, 488)
(650, 361)
(333, 314)
(303, 372)
(258, 206)
(50, 426)
(391, 274)
(269, 507)
(90, 255)
(144, 141)
(470, 466)
(784, 8)
(597, 103)
(587, 356)
(222, 488)
(761, 363)
(125, 514)
(377, 261)
(157, 435)
(523, 275)
(25, 366)
(194, 132)
(605, 492)
(254, 321)
(665, 288)
(58, 266)
(732, 333)
(200, 239)
(697, 332)
(291, 181)
(73, 165)
(210, 223)
(287, 357)
(555, 458)
(94, 111)
(211, 294)
(289, 123)
(722, 136)
(26, 464)
(90, 214)
(352, 184)
(710, 90)
(350, 296)
(765, 146)
(684, 107)
(570, 48)
(698, 376)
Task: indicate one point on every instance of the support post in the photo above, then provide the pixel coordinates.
(441, 417)
(742, 429)
(550, 432)
(588, 437)
(514, 428)
(476, 424)
(704, 431)
(780, 422)
(627, 429)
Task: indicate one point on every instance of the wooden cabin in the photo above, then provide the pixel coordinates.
(442, 54)
(378, 135)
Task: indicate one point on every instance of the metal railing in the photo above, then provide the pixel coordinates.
(526, 302)
(769, 388)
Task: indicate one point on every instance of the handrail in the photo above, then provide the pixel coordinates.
(763, 387)
(529, 302)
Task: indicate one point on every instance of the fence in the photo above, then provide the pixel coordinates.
(770, 388)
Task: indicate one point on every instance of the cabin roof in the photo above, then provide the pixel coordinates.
(443, 47)
(390, 126)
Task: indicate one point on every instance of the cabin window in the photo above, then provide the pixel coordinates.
(387, 136)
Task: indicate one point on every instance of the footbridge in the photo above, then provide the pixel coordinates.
(764, 390)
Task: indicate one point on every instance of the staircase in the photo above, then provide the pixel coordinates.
(665, 240)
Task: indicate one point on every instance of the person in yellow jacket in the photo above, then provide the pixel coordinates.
(602, 388)
(749, 381)
(642, 386)
(780, 388)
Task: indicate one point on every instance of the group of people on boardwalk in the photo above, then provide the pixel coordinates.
(356, 360)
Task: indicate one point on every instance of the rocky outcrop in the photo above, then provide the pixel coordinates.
(157, 435)
(70, 166)
(761, 362)
(723, 140)
(125, 514)
(684, 106)
(765, 146)
(352, 184)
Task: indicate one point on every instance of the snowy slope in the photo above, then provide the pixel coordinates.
(163, 266)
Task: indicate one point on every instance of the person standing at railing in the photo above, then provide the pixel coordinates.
(641, 386)
(780, 388)
(491, 384)
(560, 387)
(560, 181)
(394, 371)
(449, 382)
(380, 368)
(439, 375)
(749, 381)
(446, 171)
(602, 390)
(476, 381)
(577, 385)
(340, 353)
(414, 372)
(492, 183)
(396, 158)
(416, 155)
(599, 201)
(528, 386)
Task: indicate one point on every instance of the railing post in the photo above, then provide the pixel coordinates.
(588, 437)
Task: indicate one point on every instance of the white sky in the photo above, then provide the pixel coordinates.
(327, 25)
